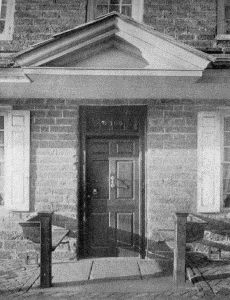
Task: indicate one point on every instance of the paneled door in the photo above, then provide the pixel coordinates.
(112, 218)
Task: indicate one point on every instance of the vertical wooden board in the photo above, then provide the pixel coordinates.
(99, 229)
(98, 171)
(125, 229)
(208, 168)
(17, 160)
(209, 162)
(125, 147)
(99, 147)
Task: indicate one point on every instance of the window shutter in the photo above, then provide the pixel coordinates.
(17, 161)
(209, 162)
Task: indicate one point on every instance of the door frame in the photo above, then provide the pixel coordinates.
(82, 176)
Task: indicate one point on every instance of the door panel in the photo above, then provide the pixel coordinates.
(99, 233)
(112, 208)
(124, 175)
(125, 229)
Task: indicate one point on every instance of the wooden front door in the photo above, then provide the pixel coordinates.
(113, 206)
(112, 218)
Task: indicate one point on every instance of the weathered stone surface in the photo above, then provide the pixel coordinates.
(5, 254)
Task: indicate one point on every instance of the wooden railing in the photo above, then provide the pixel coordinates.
(179, 266)
(39, 231)
(184, 232)
(46, 248)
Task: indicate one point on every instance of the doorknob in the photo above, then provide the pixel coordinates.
(112, 181)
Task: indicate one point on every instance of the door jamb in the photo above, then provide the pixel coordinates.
(82, 182)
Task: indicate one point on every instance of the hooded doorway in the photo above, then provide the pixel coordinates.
(112, 210)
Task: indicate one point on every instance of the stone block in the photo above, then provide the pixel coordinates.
(159, 137)
(70, 114)
(44, 136)
(66, 121)
(155, 144)
(63, 144)
(38, 113)
(180, 122)
(44, 121)
(23, 21)
(66, 136)
(183, 37)
(5, 254)
(54, 113)
(156, 129)
(62, 129)
(44, 129)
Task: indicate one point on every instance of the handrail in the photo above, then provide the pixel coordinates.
(180, 248)
(46, 249)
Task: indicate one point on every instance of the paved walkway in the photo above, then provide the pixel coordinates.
(116, 279)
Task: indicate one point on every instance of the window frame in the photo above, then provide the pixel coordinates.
(7, 34)
(4, 114)
(218, 130)
(137, 10)
(223, 115)
(221, 31)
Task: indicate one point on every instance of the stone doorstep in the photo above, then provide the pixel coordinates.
(106, 268)
(64, 273)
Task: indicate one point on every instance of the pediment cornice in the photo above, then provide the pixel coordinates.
(113, 31)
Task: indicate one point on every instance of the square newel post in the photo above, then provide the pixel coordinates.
(46, 249)
(180, 248)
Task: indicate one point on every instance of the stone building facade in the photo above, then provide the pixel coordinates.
(183, 113)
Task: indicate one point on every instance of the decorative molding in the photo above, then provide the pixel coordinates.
(5, 108)
(13, 75)
(110, 72)
(158, 50)
(162, 44)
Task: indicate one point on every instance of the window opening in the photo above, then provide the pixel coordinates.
(226, 163)
(121, 6)
(3, 6)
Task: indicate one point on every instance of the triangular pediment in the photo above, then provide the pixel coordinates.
(111, 58)
(112, 53)
(113, 42)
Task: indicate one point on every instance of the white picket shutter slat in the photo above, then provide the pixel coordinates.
(17, 160)
(209, 162)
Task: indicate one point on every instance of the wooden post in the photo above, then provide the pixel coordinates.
(46, 249)
(180, 248)
(90, 10)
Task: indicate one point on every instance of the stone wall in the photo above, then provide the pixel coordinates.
(172, 164)
(53, 171)
(38, 20)
(190, 21)
(171, 167)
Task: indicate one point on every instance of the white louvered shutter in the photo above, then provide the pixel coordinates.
(17, 141)
(209, 162)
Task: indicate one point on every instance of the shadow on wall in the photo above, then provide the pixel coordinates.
(158, 249)
(60, 221)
